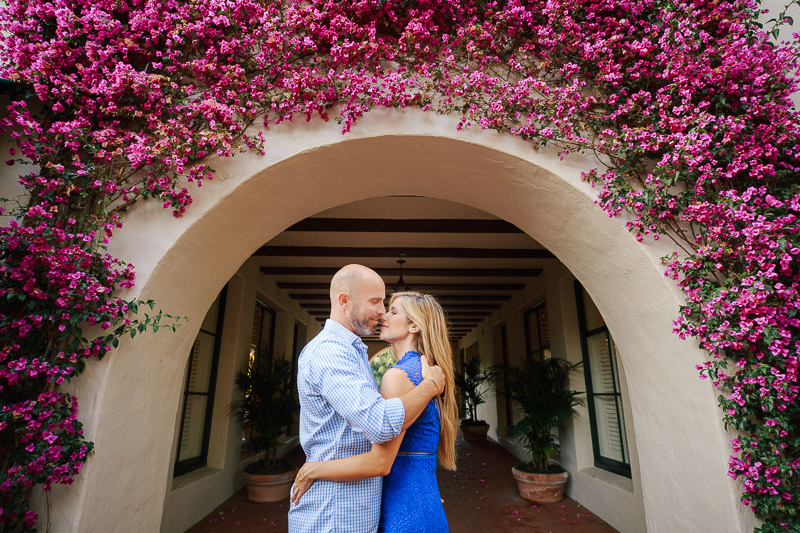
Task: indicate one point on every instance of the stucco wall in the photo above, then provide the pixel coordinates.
(616, 499)
(10, 188)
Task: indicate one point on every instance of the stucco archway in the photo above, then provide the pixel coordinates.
(130, 399)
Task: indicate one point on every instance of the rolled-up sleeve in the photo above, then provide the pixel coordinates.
(354, 398)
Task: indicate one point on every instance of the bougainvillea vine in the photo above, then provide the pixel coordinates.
(686, 103)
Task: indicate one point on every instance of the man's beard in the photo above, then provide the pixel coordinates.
(361, 325)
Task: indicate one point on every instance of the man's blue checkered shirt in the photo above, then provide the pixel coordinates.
(341, 414)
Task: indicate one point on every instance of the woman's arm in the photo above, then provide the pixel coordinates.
(376, 462)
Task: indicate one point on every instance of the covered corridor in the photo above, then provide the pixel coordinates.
(480, 496)
(506, 298)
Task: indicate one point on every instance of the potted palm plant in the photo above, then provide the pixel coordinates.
(474, 382)
(539, 388)
(265, 412)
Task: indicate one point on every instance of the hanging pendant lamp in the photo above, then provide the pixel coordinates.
(401, 285)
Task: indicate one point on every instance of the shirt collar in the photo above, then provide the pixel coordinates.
(342, 332)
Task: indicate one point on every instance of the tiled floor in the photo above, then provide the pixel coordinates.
(481, 496)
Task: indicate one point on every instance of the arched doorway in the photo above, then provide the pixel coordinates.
(131, 398)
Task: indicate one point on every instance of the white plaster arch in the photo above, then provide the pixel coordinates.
(129, 400)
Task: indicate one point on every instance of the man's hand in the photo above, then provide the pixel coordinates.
(302, 483)
(433, 372)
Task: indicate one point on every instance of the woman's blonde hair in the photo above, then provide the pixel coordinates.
(433, 342)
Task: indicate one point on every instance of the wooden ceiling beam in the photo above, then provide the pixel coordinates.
(454, 321)
(422, 287)
(450, 308)
(461, 253)
(408, 225)
(321, 307)
(441, 298)
(410, 272)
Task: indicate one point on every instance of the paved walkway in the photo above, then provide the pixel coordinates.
(481, 496)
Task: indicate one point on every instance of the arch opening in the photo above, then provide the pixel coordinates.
(310, 171)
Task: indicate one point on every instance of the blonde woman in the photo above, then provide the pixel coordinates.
(415, 327)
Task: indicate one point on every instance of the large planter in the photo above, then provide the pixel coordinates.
(269, 487)
(474, 432)
(541, 488)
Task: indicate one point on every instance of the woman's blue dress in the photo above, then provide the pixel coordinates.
(411, 500)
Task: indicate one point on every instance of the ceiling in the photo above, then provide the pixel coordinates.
(472, 261)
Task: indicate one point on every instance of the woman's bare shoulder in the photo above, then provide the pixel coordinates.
(395, 383)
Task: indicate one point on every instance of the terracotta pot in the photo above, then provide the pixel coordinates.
(541, 488)
(474, 432)
(269, 487)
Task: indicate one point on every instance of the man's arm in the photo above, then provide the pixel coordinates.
(355, 398)
(376, 462)
(338, 376)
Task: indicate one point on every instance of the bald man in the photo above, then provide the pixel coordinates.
(341, 410)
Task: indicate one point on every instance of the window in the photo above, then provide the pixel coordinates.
(263, 340)
(262, 343)
(466, 355)
(506, 363)
(198, 391)
(537, 332)
(296, 351)
(603, 394)
(298, 338)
